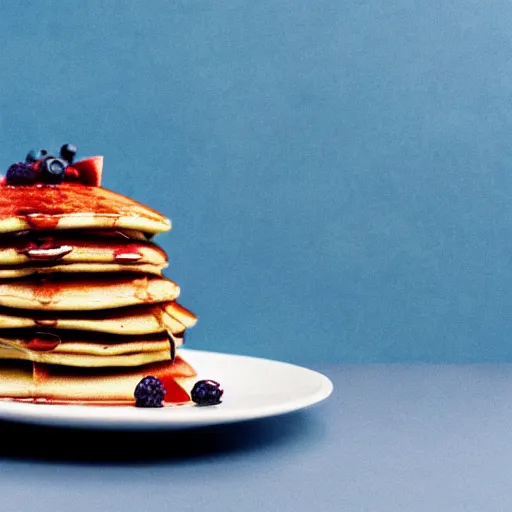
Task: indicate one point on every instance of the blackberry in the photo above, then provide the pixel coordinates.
(20, 173)
(206, 392)
(150, 392)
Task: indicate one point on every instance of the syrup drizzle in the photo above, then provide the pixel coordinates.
(45, 249)
(38, 221)
(43, 342)
(127, 254)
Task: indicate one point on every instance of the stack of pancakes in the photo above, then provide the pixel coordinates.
(85, 312)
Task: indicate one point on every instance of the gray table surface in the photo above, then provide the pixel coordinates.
(390, 438)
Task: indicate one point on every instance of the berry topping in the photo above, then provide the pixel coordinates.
(34, 155)
(41, 167)
(53, 169)
(20, 174)
(90, 170)
(150, 392)
(206, 392)
(68, 152)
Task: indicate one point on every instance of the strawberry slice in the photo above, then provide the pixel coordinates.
(174, 393)
(89, 171)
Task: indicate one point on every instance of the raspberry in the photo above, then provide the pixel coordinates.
(206, 392)
(150, 392)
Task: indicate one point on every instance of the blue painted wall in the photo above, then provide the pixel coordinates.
(339, 173)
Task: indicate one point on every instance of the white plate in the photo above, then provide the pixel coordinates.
(253, 388)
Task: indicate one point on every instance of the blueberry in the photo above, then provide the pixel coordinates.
(68, 152)
(150, 392)
(35, 155)
(206, 392)
(53, 169)
(20, 174)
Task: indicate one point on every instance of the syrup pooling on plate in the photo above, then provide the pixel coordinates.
(83, 297)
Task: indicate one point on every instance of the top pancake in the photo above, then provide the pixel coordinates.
(74, 206)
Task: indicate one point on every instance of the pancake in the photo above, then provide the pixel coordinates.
(63, 292)
(85, 360)
(180, 313)
(12, 272)
(167, 317)
(60, 384)
(85, 312)
(75, 348)
(74, 206)
(74, 252)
